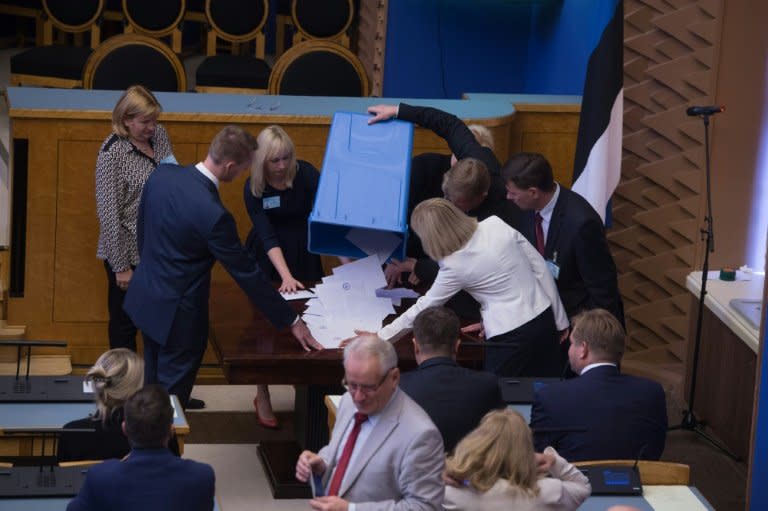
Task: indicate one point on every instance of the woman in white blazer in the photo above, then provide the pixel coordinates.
(494, 468)
(522, 314)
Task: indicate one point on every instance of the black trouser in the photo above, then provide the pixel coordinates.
(532, 349)
(122, 331)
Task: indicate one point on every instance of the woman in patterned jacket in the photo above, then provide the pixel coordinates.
(130, 153)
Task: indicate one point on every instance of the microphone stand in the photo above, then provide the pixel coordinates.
(689, 421)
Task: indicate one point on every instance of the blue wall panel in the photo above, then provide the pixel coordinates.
(443, 48)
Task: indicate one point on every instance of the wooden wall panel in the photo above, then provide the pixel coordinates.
(670, 57)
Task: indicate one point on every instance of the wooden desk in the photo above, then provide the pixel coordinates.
(21, 416)
(56, 285)
(654, 498)
(725, 384)
(252, 351)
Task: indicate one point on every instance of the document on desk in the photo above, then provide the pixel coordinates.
(672, 498)
(301, 294)
(347, 301)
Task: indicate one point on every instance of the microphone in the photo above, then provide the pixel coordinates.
(693, 111)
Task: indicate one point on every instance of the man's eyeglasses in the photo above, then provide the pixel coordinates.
(365, 389)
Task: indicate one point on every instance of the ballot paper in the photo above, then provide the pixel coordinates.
(347, 301)
(379, 243)
(301, 294)
(396, 294)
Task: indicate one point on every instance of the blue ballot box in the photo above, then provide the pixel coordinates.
(363, 190)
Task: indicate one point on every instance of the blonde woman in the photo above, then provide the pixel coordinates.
(127, 157)
(522, 314)
(116, 376)
(279, 196)
(495, 468)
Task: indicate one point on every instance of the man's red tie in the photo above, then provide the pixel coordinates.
(539, 234)
(341, 466)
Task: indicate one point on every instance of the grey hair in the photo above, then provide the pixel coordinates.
(372, 345)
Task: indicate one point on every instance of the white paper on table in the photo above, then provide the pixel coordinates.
(315, 307)
(313, 320)
(669, 498)
(396, 294)
(367, 323)
(87, 387)
(301, 294)
(367, 270)
(378, 243)
(330, 337)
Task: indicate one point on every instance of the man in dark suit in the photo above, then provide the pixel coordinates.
(571, 235)
(618, 416)
(455, 398)
(469, 177)
(182, 229)
(150, 477)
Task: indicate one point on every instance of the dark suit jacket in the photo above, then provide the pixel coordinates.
(148, 480)
(454, 397)
(624, 416)
(107, 441)
(576, 241)
(183, 228)
(427, 169)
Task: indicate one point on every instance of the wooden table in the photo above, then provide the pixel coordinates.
(727, 365)
(252, 351)
(57, 288)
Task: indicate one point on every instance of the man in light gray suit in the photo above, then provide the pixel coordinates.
(385, 453)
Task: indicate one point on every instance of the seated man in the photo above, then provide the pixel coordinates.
(150, 477)
(455, 398)
(384, 451)
(619, 416)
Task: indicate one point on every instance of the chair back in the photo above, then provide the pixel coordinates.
(130, 59)
(80, 463)
(651, 472)
(155, 19)
(319, 68)
(236, 21)
(329, 20)
(73, 17)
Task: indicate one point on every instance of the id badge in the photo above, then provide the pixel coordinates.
(554, 269)
(271, 202)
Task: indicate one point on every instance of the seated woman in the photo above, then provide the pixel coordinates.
(115, 377)
(521, 310)
(494, 468)
(279, 196)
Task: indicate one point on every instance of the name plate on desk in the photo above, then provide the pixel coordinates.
(37, 389)
(45, 481)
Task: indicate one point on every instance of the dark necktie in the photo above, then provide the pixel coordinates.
(341, 466)
(539, 234)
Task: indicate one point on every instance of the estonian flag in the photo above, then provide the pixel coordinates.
(597, 166)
